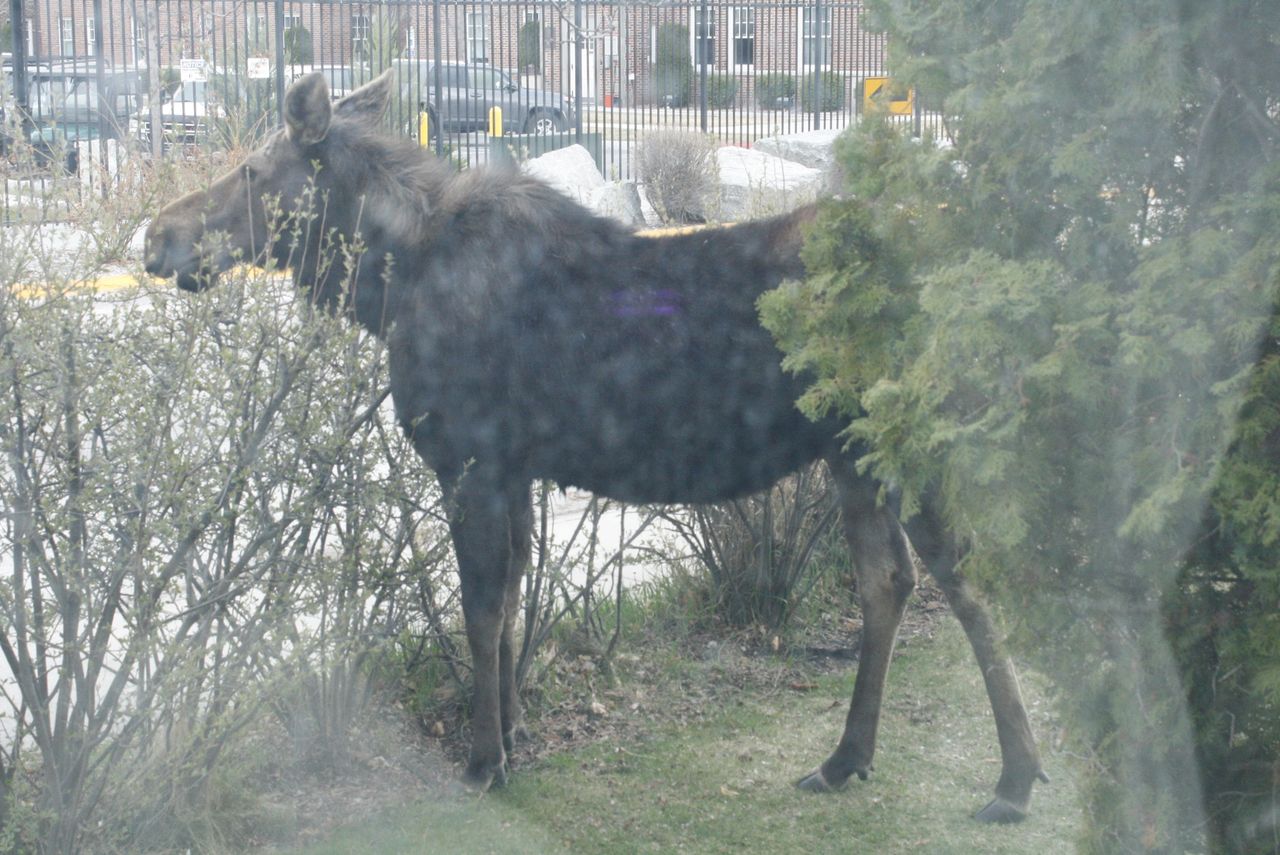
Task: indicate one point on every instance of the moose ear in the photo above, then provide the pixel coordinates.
(307, 111)
(370, 101)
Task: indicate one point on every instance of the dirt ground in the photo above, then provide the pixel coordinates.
(399, 758)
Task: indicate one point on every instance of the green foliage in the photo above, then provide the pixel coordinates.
(673, 70)
(299, 47)
(529, 47)
(775, 91)
(1082, 285)
(722, 91)
(825, 92)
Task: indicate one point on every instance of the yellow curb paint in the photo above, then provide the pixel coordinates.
(116, 282)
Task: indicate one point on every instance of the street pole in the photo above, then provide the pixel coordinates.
(20, 101)
(279, 63)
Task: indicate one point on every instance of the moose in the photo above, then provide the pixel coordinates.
(531, 339)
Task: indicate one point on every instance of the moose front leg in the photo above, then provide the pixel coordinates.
(479, 522)
(1020, 759)
(886, 577)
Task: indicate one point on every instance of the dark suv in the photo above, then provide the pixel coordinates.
(63, 99)
(468, 91)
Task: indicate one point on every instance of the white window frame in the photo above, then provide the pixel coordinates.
(477, 37)
(90, 36)
(740, 16)
(825, 37)
(607, 32)
(361, 37)
(694, 37)
(411, 42)
(67, 36)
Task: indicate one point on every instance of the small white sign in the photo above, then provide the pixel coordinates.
(192, 71)
(259, 68)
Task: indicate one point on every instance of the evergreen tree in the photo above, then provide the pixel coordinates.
(1051, 331)
(673, 69)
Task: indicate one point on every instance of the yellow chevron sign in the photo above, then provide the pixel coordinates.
(878, 93)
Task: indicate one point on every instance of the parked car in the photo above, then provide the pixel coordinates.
(185, 115)
(468, 91)
(67, 106)
(341, 78)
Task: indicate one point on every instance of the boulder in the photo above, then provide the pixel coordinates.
(754, 184)
(620, 200)
(814, 149)
(571, 170)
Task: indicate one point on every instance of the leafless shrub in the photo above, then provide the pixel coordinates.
(757, 551)
(193, 523)
(579, 578)
(679, 174)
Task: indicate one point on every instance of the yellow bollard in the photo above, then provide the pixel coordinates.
(424, 129)
(495, 121)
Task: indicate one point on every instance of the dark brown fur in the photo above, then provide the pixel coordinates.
(530, 339)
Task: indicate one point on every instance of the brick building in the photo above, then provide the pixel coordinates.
(620, 44)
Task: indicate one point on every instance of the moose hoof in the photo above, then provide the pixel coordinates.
(816, 782)
(1001, 811)
(482, 778)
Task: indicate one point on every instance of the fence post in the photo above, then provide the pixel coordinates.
(699, 45)
(106, 107)
(279, 5)
(20, 67)
(153, 82)
(437, 89)
(819, 55)
(577, 71)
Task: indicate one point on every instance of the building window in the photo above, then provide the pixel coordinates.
(67, 36)
(411, 42)
(477, 37)
(361, 30)
(91, 37)
(703, 35)
(815, 38)
(743, 27)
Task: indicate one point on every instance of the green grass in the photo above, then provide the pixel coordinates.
(725, 785)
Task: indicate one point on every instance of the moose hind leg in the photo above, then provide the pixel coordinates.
(521, 534)
(1019, 757)
(886, 577)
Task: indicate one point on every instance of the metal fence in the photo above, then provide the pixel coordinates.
(101, 78)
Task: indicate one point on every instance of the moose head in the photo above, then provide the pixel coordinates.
(283, 203)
